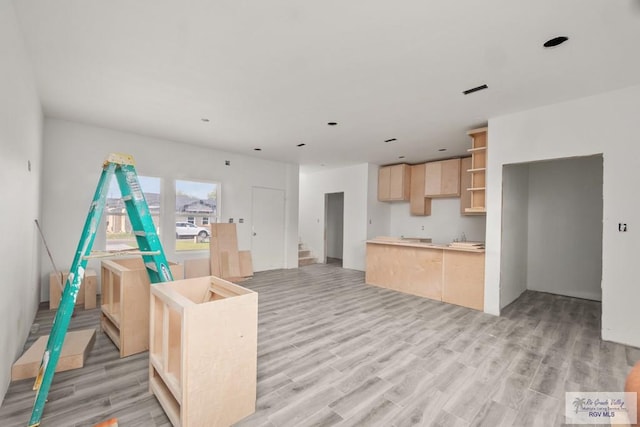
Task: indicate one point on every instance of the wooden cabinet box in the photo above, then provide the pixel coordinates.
(125, 303)
(419, 204)
(394, 183)
(477, 170)
(442, 178)
(203, 351)
(86, 294)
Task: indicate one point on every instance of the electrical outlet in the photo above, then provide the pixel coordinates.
(622, 227)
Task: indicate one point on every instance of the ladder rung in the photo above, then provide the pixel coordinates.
(127, 198)
(140, 233)
(151, 266)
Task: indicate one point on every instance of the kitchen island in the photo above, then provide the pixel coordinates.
(439, 272)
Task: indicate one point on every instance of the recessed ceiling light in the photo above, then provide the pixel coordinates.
(257, 149)
(475, 89)
(302, 144)
(332, 123)
(442, 149)
(401, 157)
(391, 141)
(556, 41)
(204, 119)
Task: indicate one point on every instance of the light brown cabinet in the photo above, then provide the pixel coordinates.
(438, 272)
(442, 178)
(477, 171)
(419, 204)
(394, 183)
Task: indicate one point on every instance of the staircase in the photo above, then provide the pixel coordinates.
(304, 256)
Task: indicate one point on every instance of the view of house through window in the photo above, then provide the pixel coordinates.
(196, 208)
(119, 233)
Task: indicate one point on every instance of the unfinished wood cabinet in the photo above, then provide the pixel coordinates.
(203, 351)
(478, 170)
(464, 279)
(125, 303)
(419, 204)
(441, 272)
(413, 270)
(442, 178)
(86, 294)
(394, 183)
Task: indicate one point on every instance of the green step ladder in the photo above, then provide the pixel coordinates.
(123, 167)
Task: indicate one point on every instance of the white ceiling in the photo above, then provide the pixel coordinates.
(271, 74)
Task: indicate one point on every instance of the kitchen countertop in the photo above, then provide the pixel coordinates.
(414, 244)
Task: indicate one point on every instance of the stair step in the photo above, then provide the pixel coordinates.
(306, 261)
(302, 253)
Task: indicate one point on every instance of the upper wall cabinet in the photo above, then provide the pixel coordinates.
(442, 178)
(477, 171)
(394, 183)
(419, 205)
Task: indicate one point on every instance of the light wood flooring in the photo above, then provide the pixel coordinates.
(334, 351)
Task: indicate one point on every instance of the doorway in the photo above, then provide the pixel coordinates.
(333, 228)
(267, 234)
(552, 214)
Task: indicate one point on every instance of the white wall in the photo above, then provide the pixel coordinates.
(335, 228)
(20, 142)
(353, 181)
(565, 227)
(74, 154)
(606, 124)
(515, 219)
(378, 213)
(443, 225)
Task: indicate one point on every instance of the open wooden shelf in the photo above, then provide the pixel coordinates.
(203, 351)
(475, 200)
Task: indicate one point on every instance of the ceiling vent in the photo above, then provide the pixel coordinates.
(475, 89)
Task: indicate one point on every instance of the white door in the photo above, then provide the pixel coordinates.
(267, 242)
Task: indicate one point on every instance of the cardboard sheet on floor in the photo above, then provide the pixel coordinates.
(77, 345)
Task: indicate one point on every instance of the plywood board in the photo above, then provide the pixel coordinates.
(200, 267)
(246, 264)
(75, 349)
(413, 270)
(223, 247)
(464, 279)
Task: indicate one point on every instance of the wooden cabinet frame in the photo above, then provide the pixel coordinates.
(125, 303)
(394, 183)
(442, 178)
(477, 189)
(203, 351)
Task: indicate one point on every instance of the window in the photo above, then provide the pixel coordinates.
(119, 233)
(196, 207)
